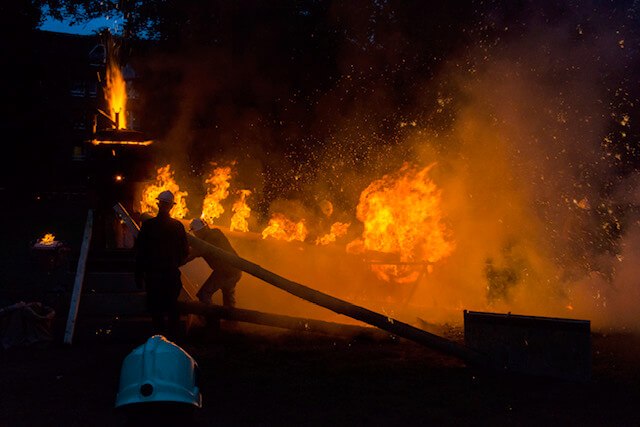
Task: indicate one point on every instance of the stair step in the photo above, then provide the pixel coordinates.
(129, 304)
(106, 264)
(112, 253)
(101, 328)
(111, 260)
(109, 282)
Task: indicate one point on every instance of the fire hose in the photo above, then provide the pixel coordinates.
(336, 305)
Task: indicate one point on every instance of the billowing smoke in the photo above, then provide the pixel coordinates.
(530, 125)
(541, 182)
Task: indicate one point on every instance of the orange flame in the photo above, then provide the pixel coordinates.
(241, 213)
(107, 142)
(47, 240)
(164, 181)
(401, 216)
(282, 228)
(115, 93)
(337, 229)
(217, 191)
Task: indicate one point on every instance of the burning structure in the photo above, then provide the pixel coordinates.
(499, 172)
(115, 93)
(403, 230)
(119, 155)
(490, 193)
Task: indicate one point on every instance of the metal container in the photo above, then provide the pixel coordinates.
(543, 346)
(49, 258)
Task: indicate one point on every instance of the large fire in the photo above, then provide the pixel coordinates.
(282, 228)
(403, 229)
(115, 93)
(217, 191)
(164, 181)
(241, 212)
(401, 216)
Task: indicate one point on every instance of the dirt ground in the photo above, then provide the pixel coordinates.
(265, 376)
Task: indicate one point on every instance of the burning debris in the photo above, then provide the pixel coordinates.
(164, 181)
(217, 191)
(282, 228)
(124, 137)
(48, 240)
(338, 229)
(401, 216)
(241, 212)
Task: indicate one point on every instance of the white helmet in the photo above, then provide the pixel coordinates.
(158, 371)
(166, 196)
(197, 224)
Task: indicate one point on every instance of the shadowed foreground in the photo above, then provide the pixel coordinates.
(265, 376)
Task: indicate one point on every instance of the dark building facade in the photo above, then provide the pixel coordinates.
(67, 77)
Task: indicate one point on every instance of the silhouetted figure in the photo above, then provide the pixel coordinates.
(224, 276)
(161, 249)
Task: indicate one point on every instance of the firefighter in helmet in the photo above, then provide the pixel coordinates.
(224, 276)
(161, 248)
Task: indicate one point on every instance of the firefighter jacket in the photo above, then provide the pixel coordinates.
(161, 247)
(221, 269)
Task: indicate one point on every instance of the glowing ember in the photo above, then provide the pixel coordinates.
(115, 93)
(241, 212)
(106, 142)
(582, 204)
(164, 181)
(282, 228)
(337, 229)
(47, 240)
(401, 216)
(217, 190)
